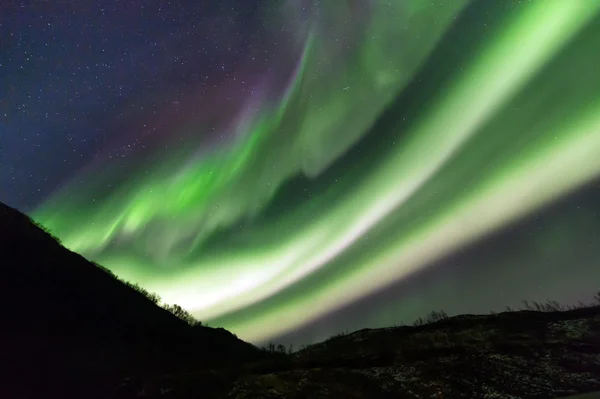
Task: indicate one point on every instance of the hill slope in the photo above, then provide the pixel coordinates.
(525, 354)
(69, 327)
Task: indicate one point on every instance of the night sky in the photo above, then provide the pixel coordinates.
(292, 169)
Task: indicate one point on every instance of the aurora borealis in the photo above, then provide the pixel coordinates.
(376, 143)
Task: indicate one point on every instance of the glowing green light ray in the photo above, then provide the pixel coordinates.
(155, 232)
(473, 103)
(483, 88)
(216, 191)
(534, 182)
(172, 196)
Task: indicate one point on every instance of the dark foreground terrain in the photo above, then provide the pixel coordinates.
(71, 330)
(523, 354)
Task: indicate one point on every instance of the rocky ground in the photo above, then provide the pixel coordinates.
(523, 354)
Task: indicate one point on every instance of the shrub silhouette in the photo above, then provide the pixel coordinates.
(432, 317)
(281, 349)
(176, 310)
(154, 298)
(44, 229)
(105, 270)
(182, 314)
(548, 306)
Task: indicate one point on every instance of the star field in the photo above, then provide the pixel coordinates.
(289, 170)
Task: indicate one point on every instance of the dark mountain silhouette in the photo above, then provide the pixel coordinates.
(71, 330)
(68, 327)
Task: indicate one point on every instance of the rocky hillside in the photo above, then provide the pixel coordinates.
(525, 354)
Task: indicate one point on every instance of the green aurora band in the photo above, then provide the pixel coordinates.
(512, 129)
